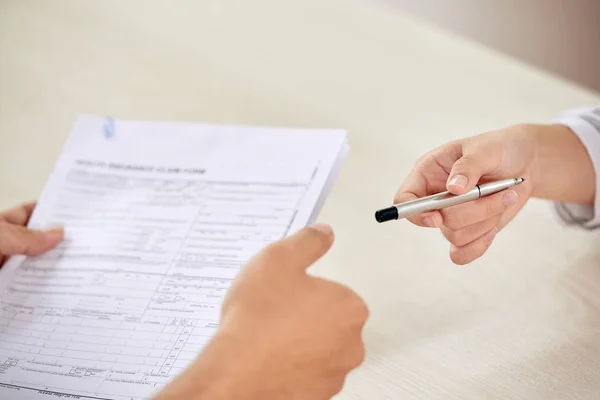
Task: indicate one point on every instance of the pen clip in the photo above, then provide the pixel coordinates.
(109, 128)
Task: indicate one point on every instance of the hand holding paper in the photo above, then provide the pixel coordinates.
(547, 157)
(17, 239)
(159, 220)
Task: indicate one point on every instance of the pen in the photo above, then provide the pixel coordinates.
(442, 200)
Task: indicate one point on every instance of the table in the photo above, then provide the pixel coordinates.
(521, 323)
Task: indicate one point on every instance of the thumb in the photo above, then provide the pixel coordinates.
(302, 249)
(468, 170)
(19, 240)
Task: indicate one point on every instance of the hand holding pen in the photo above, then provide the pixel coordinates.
(544, 161)
(502, 164)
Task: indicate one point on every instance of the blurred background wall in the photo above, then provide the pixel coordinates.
(561, 36)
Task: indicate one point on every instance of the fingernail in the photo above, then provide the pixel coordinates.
(56, 233)
(430, 222)
(326, 229)
(510, 198)
(459, 181)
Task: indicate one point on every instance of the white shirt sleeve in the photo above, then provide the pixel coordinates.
(585, 122)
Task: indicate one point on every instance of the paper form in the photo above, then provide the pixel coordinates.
(159, 218)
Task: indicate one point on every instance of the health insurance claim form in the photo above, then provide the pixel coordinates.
(159, 218)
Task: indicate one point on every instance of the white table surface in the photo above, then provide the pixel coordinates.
(522, 323)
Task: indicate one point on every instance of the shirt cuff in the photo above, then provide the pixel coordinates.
(586, 125)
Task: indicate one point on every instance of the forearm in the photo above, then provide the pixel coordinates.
(563, 170)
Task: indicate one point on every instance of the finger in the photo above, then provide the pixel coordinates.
(302, 249)
(414, 187)
(432, 219)
(352, 309)
(463, 215)
(464, 236)
(477, 160)
(524, 191)
(358, 356)
(18, 240)
(326, 387)
(18, 215)
(352, 350)
(472, 251)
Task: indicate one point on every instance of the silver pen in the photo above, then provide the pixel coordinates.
(442, 200)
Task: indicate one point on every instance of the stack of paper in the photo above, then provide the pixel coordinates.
(159, 219)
